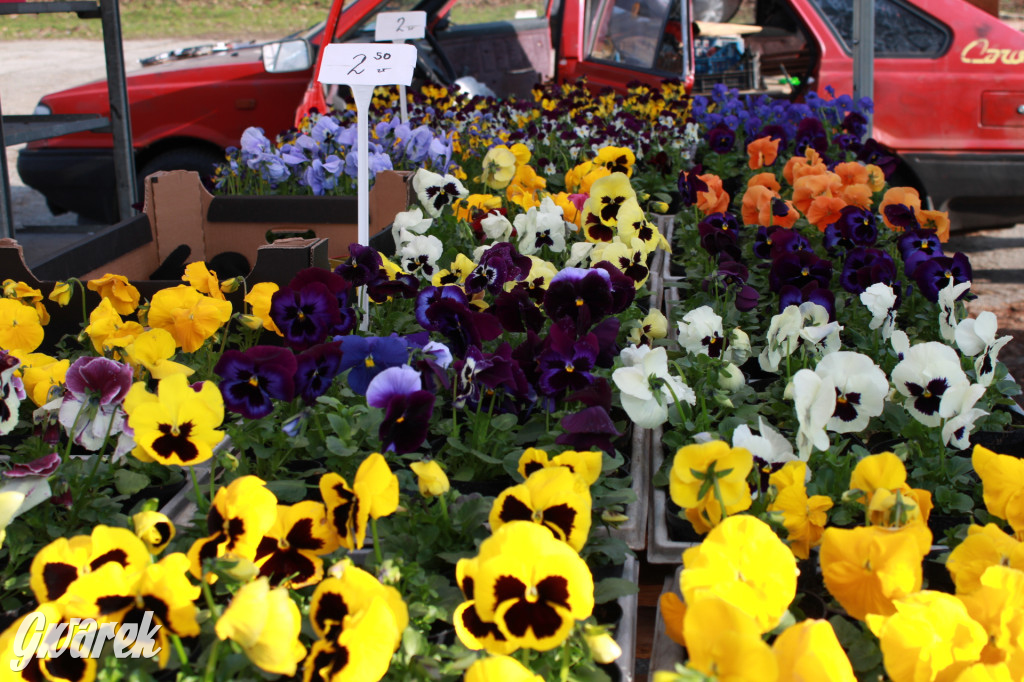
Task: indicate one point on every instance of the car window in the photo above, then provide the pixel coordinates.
(636, 33)
(900, 29)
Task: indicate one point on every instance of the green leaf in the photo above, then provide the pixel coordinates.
(129, 482)
(611, 589)
(288, 491)
(503, 422)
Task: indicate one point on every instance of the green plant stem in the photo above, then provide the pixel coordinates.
(564, 656)
(444, 508)
(195, 486)
(376, 542)
(71, 435)
(179, 649)
(211, 662)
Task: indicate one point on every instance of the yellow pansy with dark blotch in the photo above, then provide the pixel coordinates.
(554, 497)
(534, 588)
(633, 223)
(630, 259)
(59, 564)
(360, 653)
(240, 516)
(349, 592)
(586, 463)
(616, 159)
(63, 667)
(114, 594)
(180, 425)
(601, 210)
(154, 529)
(473, 631)
(374, 493)
(289, 553)
(359, 622)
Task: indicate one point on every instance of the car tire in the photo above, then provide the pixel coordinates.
(200, 160)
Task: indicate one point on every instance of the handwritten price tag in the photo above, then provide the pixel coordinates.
(368, 64)
(400, 25)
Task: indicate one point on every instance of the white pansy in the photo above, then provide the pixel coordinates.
(496, 227)
(814, 400)
(738, 349)
(977, 337)
(578, 254)
(700, 332)
(929, 376)
(947, 308)
(18, 495)
(419, 255)
(783, 338)
(434, 191)
(960, 414)
(900, 343)
(880, 300)
(646, 387)
(770, 446)
(412, 220)
(861, 388)
(541, 226)
(821, 335)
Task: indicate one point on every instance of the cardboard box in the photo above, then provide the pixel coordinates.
(182, 212)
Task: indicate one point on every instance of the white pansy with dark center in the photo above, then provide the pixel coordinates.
(861, 388)
(541, 226)
(947, 308)
(814, 400)
(407, 224)
(880, 300)
(770, 448)
(578, 253)
(420, 254)
(928, 375)
(647, 388)
(960, 414)
(977, 337)
(496, 227)
(700, 332)
(900, 343)
(434, 191)
(12, 392)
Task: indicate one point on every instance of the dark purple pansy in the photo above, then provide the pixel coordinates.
(340, 287)
(381, 289)
(316, 369)
(856, 124)
(902, 216)
(917, 246)
(733, 275)
(305, 316)
(690, 184)
(362, 265)
(883, 157)
(623, 286)
(811, 292)
(99, 381)
(858, 226)
(406, 422)
(721, 138)
(517, 310)
(368, 356)
(788, 241)
(597, 394)
(567, 362)
(848, 142)
(719, 232)
(446, 310)
(864, 267)
(498, 265)
(811, 133)
(764, 239)
(934, 274)
(799, 268)
(582, 296)
(588, 429)
(252, 379)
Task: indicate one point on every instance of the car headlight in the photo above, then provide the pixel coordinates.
(42, 110)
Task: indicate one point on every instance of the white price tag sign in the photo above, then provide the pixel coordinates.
(368, 64)
(400, 26)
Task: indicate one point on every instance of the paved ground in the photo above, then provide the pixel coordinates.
(29, 69)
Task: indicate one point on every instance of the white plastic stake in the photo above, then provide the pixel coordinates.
(402, 104)
(363, 95)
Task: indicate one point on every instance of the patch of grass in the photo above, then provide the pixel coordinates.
(153, 19)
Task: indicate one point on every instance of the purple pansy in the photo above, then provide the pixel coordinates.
(567, 363)
(864, 267)
(798, 268)
(934, 274)
(305, 316)
(91, 410)
(589, 428)
(316, 368)
(498, 265)
(368, 356)
(253, 379)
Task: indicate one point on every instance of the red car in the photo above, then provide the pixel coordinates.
(948, 86)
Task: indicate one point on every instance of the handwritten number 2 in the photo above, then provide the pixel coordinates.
(355, 68)
(401, 22)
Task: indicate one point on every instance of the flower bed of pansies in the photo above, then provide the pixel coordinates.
(421, 491)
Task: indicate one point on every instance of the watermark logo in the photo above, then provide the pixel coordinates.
(82, 638)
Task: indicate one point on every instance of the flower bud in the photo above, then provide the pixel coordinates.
(603, 647)
(730, 378)
(250, 322)
(61, 293)
(431, 478)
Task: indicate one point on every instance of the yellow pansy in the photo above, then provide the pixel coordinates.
(804, 517)
(554, 497)
(154, 350)
(499, 167)
(500, 669)
(180, 427)
(154, 529)
(20, 328)
(810, 650)
(259, 298)
(188, 315)
(41, 375)
(983, 547)
(725, 642)
(118, 290)
(430, 478)
(265, 622)
(61, 293)
(203, 280)
(706, 476)
(1002, 480)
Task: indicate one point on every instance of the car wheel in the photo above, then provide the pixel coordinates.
(202, 161)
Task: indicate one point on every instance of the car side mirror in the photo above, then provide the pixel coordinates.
(287, 56)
